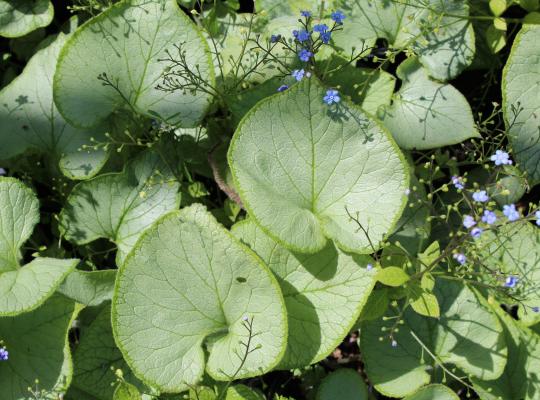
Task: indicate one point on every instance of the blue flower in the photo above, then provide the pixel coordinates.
(510, 212)
(369, 267)
(511, 281)
(325, 37)
(460, 258)
(305, 55)
(476, 232)
(302, 35)
(332, 96)
(275, 38)
(282, 88)
(4, 354)
(468, 221)
(320, 28)
(305, 13)
(458, 182)
(480, 196)
(537, 215)
(489, 217)
(298, 74)
(536, 309)
(501, 158)
(338, 17)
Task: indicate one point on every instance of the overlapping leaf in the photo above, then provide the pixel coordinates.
(29, 120)
(38, 349)
(343, 384)
(189, 285)
(467, 335)
(23, 288)
(119, 206)
(19, 17)
(126, 43)
(303, 169)
(324, 294)
(521, 100)
(90, 288)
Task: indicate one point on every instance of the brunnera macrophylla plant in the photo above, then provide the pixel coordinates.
(197, 194)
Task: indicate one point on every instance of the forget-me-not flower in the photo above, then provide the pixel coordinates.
(468, 221)
(457, 181)
(476, 232)
(537, 215)
(282, 88)
(510, 212)
(326, 36)
(305, 55)
(4, 354)
(338, 17)
(489, 217)
(332, 96)
(480, 196)
(298, 74)
(501, 158)
(320, 28)
(301, 36)
(305, 13)
(511, 281)
(275, 38)
(460, 258)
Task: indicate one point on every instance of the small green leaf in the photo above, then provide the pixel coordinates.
(423, 302)
(343, 384)
(177, 294)
(426, 114)
(242, 392)
(498, 7)
(23, 288)
(392, 276)
(430, 255)
(318, 165)
(433, 392)
(521, 105)
(324, 293)
(126, 43)
(126, 391)
(119, 206)
(20, 17)
(38, 347)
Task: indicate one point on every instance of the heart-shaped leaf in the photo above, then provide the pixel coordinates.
(124, 45)
(189, 283)
(119, 206)
(29, 119)
(308, 172)
(20, 17)
(343, 384)
(426, 114)
(467, 334)
(324, 293)
(521, 100)
(38, 349)
(23, 288)
(90, 288)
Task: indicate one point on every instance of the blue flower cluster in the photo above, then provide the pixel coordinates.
(4, 354)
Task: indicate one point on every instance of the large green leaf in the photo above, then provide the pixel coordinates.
(324, 294)
(433, 392)
(119, 206)
(304, 168)
(126, 42)
(520, 378)
(38, 349)
(23, 288)
(97, 357)
(521, 100)
(189, 285)
(514, 249)
(343, 384)
(29, 120)
(426, 114)
(467, 335)
(19, 17)
(90, 288)
(438, 31)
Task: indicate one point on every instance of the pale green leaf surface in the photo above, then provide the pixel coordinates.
(515, 250)
(38, 349)
(126, 43)
(278, 8)
(20, 17)
(324, 293)
(96, 358)
(521, 100)
(437, 30)
(119, 206)
(242, 392)
(426, 114)
(23, 288)
(90, 288)
(467, 335)
(126, 391)
(392, 276)
(29, 120)
(343, 384)
(520, 378)
(433, 392)
(188, 283)
(301, 167)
